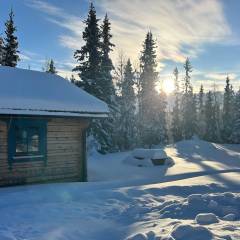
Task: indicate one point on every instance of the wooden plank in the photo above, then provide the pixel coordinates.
(20, 179)
(66, 124)
(64, 129)
(64, 134)
(56, 160)
(73, 137)
(23, 168)
(65, 141)
(64, 145)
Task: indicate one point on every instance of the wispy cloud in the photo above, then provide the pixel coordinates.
(71, 42)
(63, 19)
(220, 76)
(216, 80)
(45, 7)
(181, 27)
(36, 61)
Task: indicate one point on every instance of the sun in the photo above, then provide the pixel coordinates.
(168, 86)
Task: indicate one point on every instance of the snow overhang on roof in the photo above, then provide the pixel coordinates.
(27, 92)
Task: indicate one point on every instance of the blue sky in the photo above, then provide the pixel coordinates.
(206, 31)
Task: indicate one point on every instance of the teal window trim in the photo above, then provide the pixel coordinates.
(84, 157)
(31, 127)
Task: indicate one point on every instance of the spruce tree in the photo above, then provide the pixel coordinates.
(235, 137)
(176, 113)
(94, 68)
(152, 106)
(118, 77)
(89, 56)
(148, 95)
(188, 104)
(161, 118)
(119, 72)
(107, 134)
(201, 124)
(138, 89)
(194, 112)
(209, 116)
(51, 67)
(127, 123)
(188, 69)
(1, 51)
(10, 56)
(212, 118)
(106, 62)
(217, 116)
(89, 67)
(228, 107)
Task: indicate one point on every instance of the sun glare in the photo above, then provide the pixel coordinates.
(167, 86)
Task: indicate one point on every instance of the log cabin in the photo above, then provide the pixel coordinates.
(43, 122)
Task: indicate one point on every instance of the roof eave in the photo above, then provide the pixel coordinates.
(53, 113)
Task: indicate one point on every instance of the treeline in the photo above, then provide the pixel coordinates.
(138, 112)
(206, 115)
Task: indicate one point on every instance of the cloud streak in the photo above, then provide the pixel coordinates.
(181, 27)
(60, 17)
(221, 76)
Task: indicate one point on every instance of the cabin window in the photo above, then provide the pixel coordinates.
(27, 140)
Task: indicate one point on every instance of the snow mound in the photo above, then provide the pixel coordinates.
(213, 204)
(139, 236)
(141, 153)
(194, 198)
(185, 232)
(229, 217)
(148, 157)
(206, 218)
(199, 207)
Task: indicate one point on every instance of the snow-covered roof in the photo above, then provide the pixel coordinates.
(37, 93)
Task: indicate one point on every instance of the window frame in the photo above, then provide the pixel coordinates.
(27, 124)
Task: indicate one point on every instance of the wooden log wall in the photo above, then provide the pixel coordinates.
(64, 154)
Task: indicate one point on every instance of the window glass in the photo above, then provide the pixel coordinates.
(33, 143)
(21, 140)
(27, 140)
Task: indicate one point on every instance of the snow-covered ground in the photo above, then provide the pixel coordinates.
(192, 158)
(197, 198)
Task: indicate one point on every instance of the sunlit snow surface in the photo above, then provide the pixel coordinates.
(197, 198)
